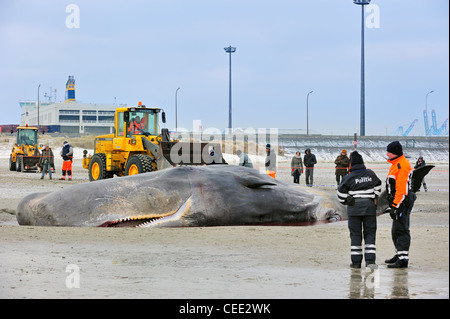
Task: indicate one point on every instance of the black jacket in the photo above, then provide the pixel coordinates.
(309, 159)
(363, 186)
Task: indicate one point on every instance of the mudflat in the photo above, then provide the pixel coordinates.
(218, 262)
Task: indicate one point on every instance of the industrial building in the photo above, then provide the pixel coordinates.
(70, 116)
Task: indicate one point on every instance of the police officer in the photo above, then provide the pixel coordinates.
(401, 201)
(359, 190)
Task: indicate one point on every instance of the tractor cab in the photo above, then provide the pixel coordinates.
(26, 136)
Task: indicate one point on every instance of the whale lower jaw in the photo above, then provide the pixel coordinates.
(145, 221)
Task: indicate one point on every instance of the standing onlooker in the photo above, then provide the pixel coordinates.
(359, 190)
(341, 162)
(297, 167)
(271, 161)
(244, 160)
(67, 155)
(309, 160)
(46, 161)
(420, 163)
(401, 201)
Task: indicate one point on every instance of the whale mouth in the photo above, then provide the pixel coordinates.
(144, 221)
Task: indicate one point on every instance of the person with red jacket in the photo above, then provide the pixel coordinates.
(401, 201)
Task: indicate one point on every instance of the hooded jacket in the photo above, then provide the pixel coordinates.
(309, 160)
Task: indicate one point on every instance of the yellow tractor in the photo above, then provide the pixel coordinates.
(25, 152)
(139, 146)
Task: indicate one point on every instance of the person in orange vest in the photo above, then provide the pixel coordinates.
(67, 155)
(136, 125)
(401, 201)
(271, 161)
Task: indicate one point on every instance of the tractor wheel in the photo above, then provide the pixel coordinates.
(97, 167)
(138, 164)
(19, 163)
(12, 164)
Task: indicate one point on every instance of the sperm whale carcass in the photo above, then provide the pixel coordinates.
(215, 195)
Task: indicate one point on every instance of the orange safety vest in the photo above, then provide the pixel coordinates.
(135, 128)
(398, 181)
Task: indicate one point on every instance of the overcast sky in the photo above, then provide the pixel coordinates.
(130, 51)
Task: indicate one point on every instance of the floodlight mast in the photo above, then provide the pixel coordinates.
(230, 50)
(362, 129)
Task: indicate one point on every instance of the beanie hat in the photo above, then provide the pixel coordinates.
(395, 148)
(344, 151)
(356, 158)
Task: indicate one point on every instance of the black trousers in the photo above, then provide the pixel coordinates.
(400, 230)
(339, 179)
(362, 227)
(309, 176)
(296, 177)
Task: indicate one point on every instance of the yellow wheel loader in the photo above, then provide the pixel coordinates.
(25, 153)
(139, 146)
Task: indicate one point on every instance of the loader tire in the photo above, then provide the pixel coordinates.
(138, 164)
(19, 163)
(97, 167)
(12, 164)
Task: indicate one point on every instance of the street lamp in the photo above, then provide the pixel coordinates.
(229, 50)
(362, 116)
(307, 124)
(176, 110)
(38, 108)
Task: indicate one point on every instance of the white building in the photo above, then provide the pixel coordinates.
(69, 116)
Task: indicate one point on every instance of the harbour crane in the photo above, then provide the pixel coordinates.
(399, 130)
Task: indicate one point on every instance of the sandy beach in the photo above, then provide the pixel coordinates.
(218, 262)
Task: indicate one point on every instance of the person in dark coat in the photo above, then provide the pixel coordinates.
(297, 167)
(46, 161)
(342, 162)
(420, 163)
(309, 160)
(359, 190)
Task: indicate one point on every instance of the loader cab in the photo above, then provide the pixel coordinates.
(137, 121)
(26, 136)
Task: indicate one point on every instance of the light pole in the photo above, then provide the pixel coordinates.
(362, 115)
(176, 110)
(229, 50)
(307, 124)
(38, 108)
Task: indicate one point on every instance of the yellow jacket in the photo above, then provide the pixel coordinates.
(398, 182)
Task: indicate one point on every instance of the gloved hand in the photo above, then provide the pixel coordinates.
(395, 213)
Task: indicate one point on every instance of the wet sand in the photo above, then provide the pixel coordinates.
(218, 262)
